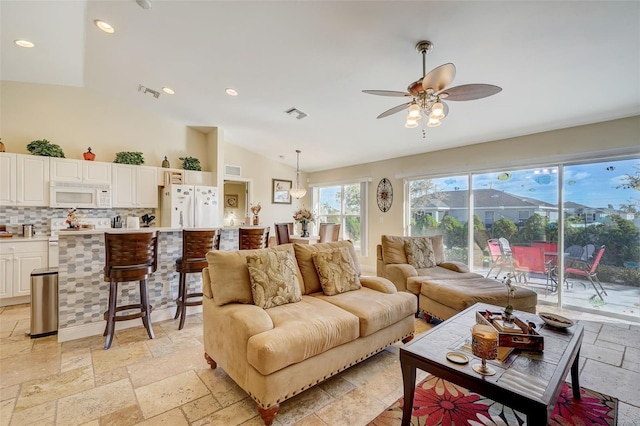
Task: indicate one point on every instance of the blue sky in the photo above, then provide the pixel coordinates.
(590, 184)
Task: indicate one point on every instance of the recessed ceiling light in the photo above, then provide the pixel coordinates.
(231, 92)
(168, 91)
(24, 43)
(104, 26)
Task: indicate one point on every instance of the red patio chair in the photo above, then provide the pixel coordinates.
(589, 271)
(531, 260)
(498, 260)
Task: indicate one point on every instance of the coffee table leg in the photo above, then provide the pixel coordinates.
(409, 381)
(575, 379)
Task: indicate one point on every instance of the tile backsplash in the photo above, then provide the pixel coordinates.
(39, 216)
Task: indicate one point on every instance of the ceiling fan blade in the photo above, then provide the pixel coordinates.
(439, 78)
(386, 93)
(394, 110)
(469, 92)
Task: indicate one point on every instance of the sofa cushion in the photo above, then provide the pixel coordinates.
(393, 248)
(304, 257)
(419, 252)
(301, 330)
(229, 274)
(375, 310)
(274, 278)
(460, 294)
(336, 271)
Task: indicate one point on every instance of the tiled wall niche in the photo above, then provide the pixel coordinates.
(39, 216)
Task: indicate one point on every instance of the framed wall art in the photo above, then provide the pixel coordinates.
(280, 191)
(231, 200)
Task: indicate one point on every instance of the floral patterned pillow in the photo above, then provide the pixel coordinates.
(336, 271)
(274, 279)
(419, 252)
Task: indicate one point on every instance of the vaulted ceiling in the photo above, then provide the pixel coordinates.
(560, 64)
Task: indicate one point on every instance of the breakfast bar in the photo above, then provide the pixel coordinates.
(83, 293)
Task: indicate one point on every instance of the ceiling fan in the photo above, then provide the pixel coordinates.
(429, 92)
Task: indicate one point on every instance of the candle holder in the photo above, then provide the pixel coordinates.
(484, 344)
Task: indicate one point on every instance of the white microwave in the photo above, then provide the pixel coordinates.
(81, 196)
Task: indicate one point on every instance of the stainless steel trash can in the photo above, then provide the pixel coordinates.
(44, 302)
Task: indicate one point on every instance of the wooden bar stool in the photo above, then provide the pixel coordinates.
(195, 245)
(129, 257)
(253, 238)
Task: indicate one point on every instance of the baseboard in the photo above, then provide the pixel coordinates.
(97, 328)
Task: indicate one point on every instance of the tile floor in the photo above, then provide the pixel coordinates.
(166, 380)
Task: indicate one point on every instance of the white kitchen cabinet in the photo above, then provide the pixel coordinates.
(24, 180)
(32, 182)
(193, 177)
(134, 186)
(7, 179)
(17, 260)
(80, 171)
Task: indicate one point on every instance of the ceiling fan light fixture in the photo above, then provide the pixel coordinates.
(410, 124)
(433, 122)
(414, 112)
(298, 191)
(437, 111)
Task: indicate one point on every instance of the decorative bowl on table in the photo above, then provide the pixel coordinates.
(554, 320)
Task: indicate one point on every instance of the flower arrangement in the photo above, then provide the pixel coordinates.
(73, 218)
(507, 280)
(304, 215)
(256, 209)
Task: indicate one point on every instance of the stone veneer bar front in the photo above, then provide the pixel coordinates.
(83, 293)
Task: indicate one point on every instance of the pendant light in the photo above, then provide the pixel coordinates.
(297, 191)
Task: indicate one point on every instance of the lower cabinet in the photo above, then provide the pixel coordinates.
(17, 260)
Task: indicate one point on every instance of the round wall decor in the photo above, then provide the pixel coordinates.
(384, 195)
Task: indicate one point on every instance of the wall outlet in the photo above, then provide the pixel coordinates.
(13, 220)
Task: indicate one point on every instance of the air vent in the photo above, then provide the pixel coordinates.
(299, 114)
(143, 90)
(232, 171)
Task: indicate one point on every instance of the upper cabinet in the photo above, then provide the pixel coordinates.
(134, 186)
(80, 171)
(24, 180)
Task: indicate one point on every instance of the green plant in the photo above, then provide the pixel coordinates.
(191, 163)
(45, 148)
(128, 157)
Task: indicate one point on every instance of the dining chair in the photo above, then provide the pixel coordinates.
(325, 231)
(129, 257)
(336, 232)
(253, 238)
(282, 233)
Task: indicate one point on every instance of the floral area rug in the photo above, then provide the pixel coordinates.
(438, 402)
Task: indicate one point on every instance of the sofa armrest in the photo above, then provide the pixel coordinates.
(238, 319)
(380, 284)
(455, 266)
(206, 283)
(398, 273)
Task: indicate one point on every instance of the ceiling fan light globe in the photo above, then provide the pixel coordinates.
(434, 116)
(414, 112)
(433, 122)
(437, 111)
(410, 124)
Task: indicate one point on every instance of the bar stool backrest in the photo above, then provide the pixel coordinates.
(253, 238)
(130, 257)
(195, 246)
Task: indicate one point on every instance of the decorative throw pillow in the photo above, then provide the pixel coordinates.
(336, 271)
(419, 252)
(274, 279)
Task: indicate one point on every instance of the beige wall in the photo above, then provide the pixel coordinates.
(76, 118)
(589, 141)
(261, 171)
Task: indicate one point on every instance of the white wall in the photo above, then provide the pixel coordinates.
(590, 141)
(77, 118)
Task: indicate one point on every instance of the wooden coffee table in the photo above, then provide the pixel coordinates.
(548, 369)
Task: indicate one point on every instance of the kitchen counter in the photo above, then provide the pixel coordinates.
(87, 231)
(20, 238)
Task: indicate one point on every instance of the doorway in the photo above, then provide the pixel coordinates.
(236, 196)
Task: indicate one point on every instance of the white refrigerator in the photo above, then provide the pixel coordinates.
(189, 206)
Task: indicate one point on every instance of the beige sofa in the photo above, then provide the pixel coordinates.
(276, 353)
(445, 288)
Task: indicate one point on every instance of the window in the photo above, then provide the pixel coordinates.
(344, 204)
